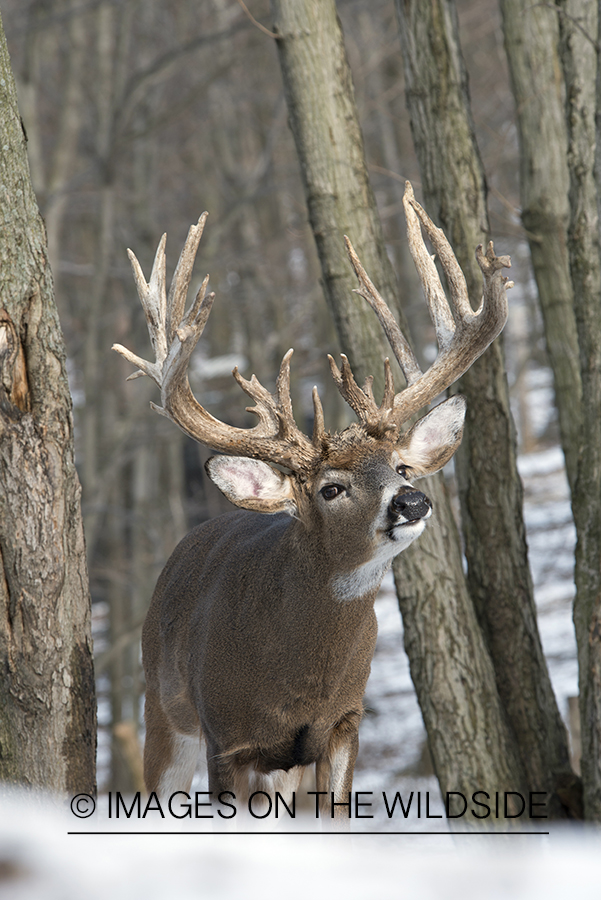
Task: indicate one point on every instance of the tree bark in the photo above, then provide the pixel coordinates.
(578, 30)
(470, 742)
(531, 43)
(490, 488)
(324, 123)
(47, 698)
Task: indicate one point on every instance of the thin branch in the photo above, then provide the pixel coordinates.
(389, 173)
(262, 28)
(171, 58)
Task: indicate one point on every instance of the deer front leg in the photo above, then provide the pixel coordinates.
(170, 757)
(334, 774)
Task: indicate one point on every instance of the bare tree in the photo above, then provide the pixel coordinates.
(531, 42)
(47, 697)
(490, 488)
(578, 24)
(458, 696)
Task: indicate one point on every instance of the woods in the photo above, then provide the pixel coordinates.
(137, 118)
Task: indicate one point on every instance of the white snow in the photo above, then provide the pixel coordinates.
(42, 859)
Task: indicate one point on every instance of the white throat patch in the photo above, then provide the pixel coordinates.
(368, 577)
(360, 581)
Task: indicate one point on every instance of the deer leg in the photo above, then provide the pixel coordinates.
(169, 757)
(334, 774)
(221, 770)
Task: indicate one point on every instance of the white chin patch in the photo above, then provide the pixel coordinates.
(403, 535)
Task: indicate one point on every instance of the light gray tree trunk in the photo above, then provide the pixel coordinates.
(531, 43)
(323, 119)
(490, 488)
(452, 671)
(578, 31)
(47, 698)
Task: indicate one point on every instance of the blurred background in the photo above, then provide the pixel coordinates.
(139, 116)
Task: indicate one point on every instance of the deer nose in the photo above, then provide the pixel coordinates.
(410, 504)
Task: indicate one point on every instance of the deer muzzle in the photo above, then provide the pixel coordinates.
(410, 505)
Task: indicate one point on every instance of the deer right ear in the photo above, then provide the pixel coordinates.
(252, 484)
(430, 444)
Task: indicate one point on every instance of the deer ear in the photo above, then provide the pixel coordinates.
(434, 438)
(252, 484)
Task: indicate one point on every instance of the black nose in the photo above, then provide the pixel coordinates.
(410, 504)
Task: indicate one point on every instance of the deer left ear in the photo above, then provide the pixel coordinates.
(434, 438)
(252, 484)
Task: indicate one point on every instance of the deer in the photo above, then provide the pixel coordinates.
(261, 630)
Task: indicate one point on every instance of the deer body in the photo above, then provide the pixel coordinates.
(272, 676)
(267, 699)
(261, 631)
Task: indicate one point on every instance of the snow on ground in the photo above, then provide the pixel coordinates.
(43, 858)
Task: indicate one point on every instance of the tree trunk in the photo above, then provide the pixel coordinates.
(531, 37)
(579, 60)
(450, 665)
(47, 699)
(490, 488)
(323, 119)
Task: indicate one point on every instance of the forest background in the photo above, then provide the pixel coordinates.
(141, 115)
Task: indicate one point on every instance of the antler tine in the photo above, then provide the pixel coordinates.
(492, 312)
(158, 309)
(152, 298)
(375, 419)
(489, 264)
(274, 412)
(284, 403)
(319, 429)
(176, 302)
(451, 268)
(438, 306)
(399, 344)
(388, 398)
(357, 399)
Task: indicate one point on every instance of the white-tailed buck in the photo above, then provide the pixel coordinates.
(261, 631)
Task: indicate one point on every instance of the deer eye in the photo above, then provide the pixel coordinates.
(330, 491)
(402, 471)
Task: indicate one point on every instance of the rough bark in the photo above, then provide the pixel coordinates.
(450, 666)
(578, 29)
(47, 698)
(323, 119)
(531, 43)
(490, 489)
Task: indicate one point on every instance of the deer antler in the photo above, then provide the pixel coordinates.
(462, 334)
(174, 336)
